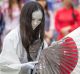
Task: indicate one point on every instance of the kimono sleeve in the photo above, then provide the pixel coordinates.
(9, 61)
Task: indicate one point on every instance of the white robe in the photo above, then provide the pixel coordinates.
(12, 54)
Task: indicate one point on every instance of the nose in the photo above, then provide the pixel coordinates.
(35, 23)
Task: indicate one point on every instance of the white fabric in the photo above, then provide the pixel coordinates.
(11, 56)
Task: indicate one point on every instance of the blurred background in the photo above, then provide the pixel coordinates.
(61, 17)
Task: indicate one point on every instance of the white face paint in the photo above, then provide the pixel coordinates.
(36, 18)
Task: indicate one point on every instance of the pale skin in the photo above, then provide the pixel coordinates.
(36, 18)
(65, 30)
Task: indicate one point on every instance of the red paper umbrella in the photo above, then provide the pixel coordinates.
(69, 57)
(63, 57)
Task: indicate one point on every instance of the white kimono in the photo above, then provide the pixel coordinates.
(13, 55)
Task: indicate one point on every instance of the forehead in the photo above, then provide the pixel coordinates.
(37, 14)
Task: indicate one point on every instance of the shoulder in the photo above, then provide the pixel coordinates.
(12, 36)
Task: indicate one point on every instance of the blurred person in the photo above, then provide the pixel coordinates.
(67, 19)
(48, 32)
(12, 9)
(21, 46)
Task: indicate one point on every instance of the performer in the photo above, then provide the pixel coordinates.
(21, 45)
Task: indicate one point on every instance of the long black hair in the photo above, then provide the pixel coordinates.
(28, 35)
(45, 7)
(73, 13)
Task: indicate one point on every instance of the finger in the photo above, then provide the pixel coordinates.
(34, 62)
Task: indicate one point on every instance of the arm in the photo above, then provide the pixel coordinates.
(77, 21)
(64, 30)
(9, 61)
(9, 57)
(57, 24)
